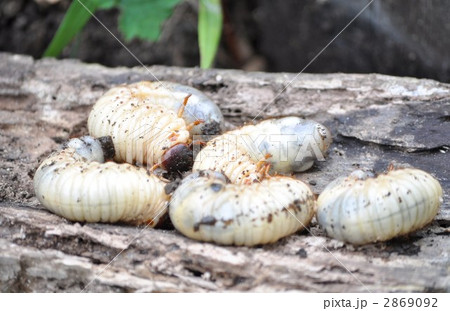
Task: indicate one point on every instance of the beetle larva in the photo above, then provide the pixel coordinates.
(363, 209)
(291, 143)
(77, 184)
(205, 207)
(152, 122)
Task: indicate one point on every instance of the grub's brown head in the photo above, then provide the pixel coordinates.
(178, 158)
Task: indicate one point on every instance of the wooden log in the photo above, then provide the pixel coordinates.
(375, 119)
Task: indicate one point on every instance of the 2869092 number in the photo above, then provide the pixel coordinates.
(410, 302)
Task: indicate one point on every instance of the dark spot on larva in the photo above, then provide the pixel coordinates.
(43, 196)
(343, 227)
(387, 194)
(48, 165)
(409, 191)
(312, 182)
(78, 200)
(302, 253)
(269, 218)
(296, 205)
(216, 187)
(400, 200)
(165, 148)
(206, 221)
(227, 222)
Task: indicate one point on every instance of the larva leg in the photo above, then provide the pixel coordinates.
(197, 122)
(294, 144)
(183, 106)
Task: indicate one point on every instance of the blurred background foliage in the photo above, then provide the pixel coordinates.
(391, 37)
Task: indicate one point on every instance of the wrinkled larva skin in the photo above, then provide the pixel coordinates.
(207, 208)
(75, 183)
(142, 119)
(292, 143)
(361, 209)
(199, 106)
(141, 131)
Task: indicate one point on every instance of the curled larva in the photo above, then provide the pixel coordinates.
(289, 144)
(153, 123)
(205, 207)
(77, 184)
(362, 209)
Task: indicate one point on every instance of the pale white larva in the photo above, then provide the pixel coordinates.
(77, 184)
(153, 122)
(362, 209)
(207, 208)
(289, 144)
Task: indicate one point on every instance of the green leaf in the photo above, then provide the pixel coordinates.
(209, 30)
(79, 12)
(143, 18)
(105, 4)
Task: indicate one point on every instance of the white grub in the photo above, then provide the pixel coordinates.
(362, 209)
(77, 184)
(289, 144)
(146, 119)
(207, 208)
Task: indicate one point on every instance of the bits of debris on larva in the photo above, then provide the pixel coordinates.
(289, 144)
(153, 122)
(207, 208)
(362, 209)
(77, 184)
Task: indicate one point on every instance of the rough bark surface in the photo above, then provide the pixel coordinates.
(375, 120)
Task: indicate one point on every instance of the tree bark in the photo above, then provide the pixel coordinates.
(375, 120)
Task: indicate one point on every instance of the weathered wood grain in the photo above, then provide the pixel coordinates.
(375, 119)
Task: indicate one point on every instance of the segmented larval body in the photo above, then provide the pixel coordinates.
(363, 209)
(199, 106)
(76, 183)
(207, 208)
(144, 123)
(289, 144)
